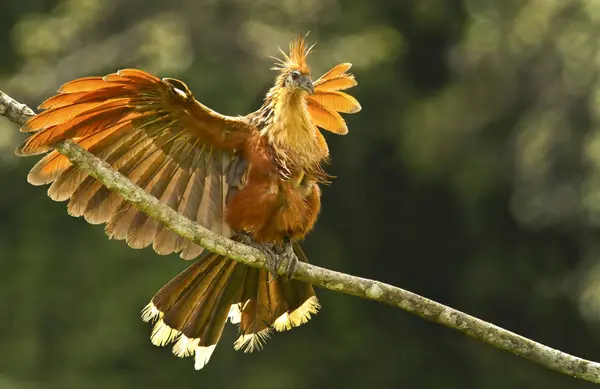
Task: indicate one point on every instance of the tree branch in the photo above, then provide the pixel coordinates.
(356, 286)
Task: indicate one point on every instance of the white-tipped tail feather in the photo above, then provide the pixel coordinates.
(163, 334)
(150, 313)
(235, 313)
(252, 342)
(283, 323)
(297, 317)
(188, 347)
(185, 347)
(302, 314)
(202, 357)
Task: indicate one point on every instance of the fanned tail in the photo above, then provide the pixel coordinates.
(192, 309)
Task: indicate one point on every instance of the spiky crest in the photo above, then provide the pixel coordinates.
(296, 60)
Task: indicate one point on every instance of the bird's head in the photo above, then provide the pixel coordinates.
(294, 71)
(300, 81)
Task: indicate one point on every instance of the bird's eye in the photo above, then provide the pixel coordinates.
(295, 76)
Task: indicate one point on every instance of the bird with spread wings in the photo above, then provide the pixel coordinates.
(252, 178)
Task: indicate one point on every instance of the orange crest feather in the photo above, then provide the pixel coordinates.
(296, 60)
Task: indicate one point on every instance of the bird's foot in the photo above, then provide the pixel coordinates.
(276, 256)
(287, 257)
(268, 249)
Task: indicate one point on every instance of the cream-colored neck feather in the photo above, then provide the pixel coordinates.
(291, 131)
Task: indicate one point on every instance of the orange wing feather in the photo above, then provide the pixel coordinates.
(336, 72)
(327, 119)
(327, 101)
(84, 84)
(336, 84)
(336, 101)
(146, 128)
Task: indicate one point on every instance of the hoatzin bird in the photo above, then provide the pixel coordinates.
(252, 178)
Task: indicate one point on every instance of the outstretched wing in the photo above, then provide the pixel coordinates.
(327, 101)
(154, 132)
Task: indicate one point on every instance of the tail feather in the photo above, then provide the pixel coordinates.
(220, 313)
(302, 302)
(300, 299)
(191, 310)
(257, 314)
(203, 308)
(171, 292)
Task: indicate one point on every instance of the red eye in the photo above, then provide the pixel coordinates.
(295, 76)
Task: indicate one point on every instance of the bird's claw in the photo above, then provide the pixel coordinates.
(276, 256)
(284, 256)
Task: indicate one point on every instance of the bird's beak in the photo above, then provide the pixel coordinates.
(307, 84)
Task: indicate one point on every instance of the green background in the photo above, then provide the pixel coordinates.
(472, 177)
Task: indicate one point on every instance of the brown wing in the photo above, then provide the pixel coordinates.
(155, 133)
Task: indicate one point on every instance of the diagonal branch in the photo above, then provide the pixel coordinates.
(356, 286)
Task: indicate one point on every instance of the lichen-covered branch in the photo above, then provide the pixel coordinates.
(356, 286)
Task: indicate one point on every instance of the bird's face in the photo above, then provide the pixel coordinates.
(299, 81)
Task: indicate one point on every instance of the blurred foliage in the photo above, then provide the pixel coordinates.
(472, 176)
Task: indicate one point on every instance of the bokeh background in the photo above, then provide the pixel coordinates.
(472, 176)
